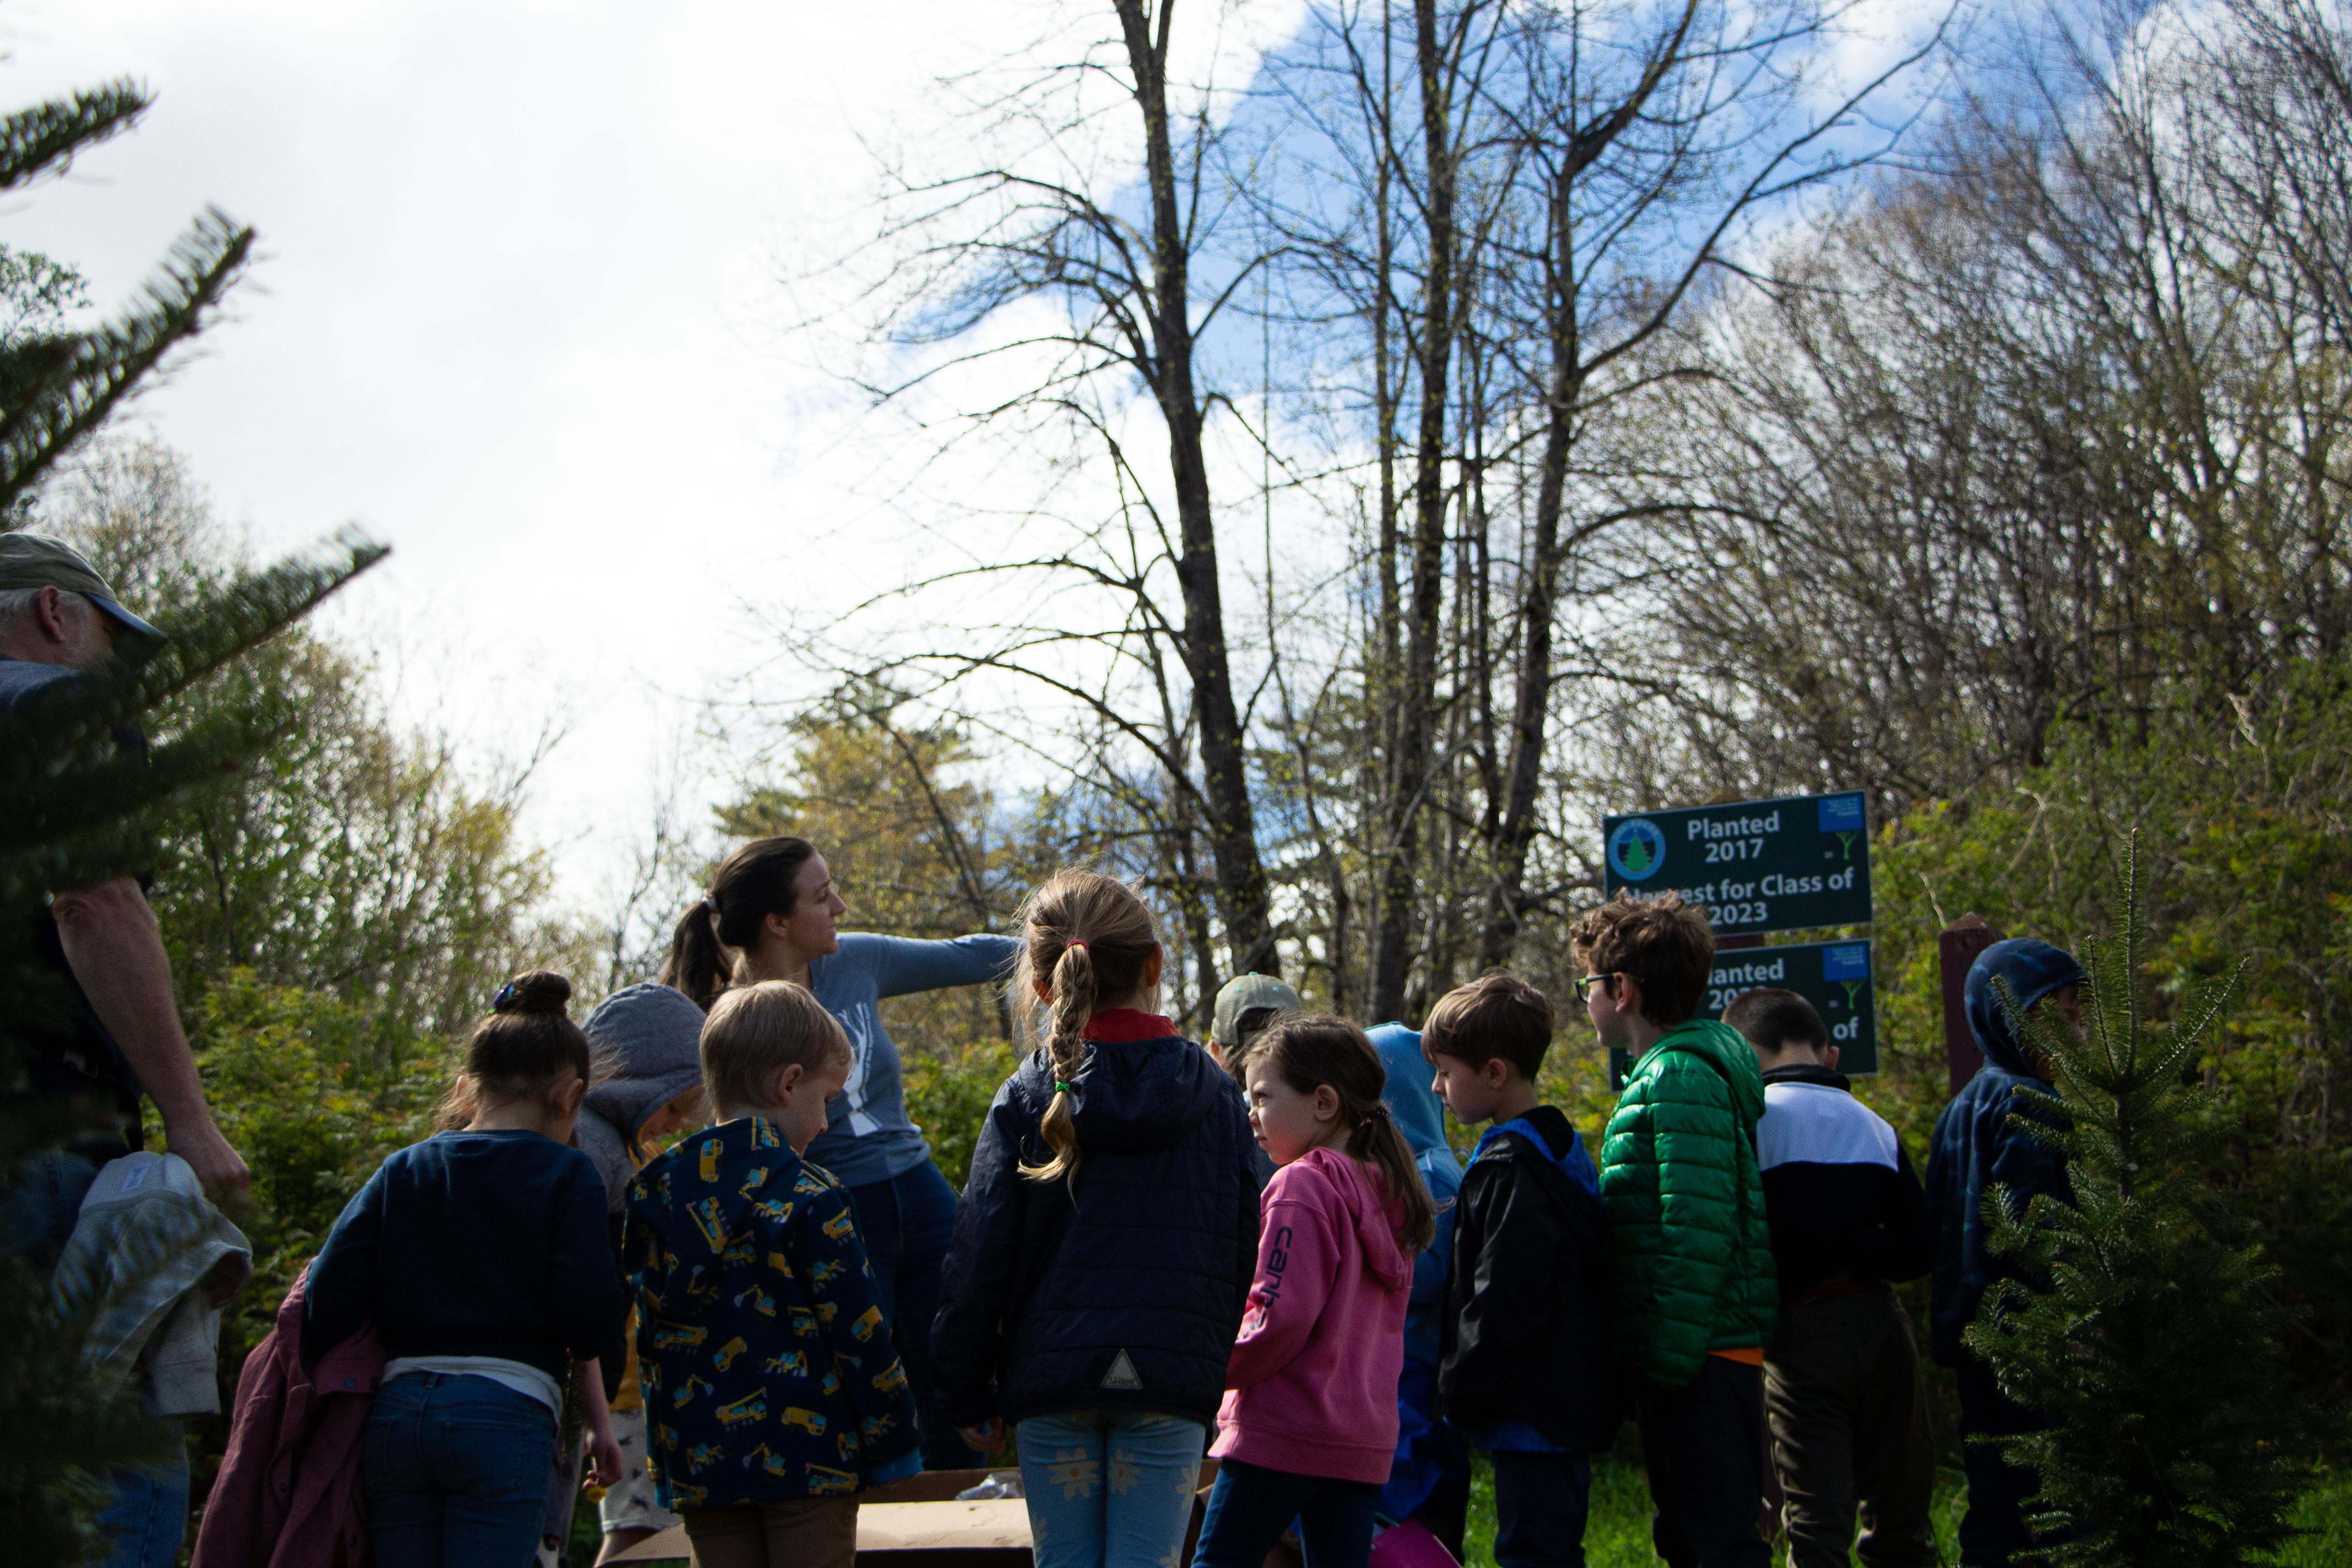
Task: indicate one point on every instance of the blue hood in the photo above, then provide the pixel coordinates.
(1410, 1099)
(2033, 970)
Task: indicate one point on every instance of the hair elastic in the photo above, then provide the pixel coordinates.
(505, 993)
(1075, 942)
(1379, 1112)
(1060, 1088)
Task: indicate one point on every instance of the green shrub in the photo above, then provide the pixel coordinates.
(948, 1096)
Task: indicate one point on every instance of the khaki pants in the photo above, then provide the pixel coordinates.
(806, 1533)
(1849, 1415)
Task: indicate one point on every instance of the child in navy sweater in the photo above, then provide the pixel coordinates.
(481, 1258)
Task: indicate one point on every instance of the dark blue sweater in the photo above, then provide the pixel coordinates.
(472, 1244)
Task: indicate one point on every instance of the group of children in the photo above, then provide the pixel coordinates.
(1264, 1253)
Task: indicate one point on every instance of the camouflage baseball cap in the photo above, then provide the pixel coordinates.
(36, 560)
(1246, 994)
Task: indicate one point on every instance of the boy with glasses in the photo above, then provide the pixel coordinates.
(1692, 1289)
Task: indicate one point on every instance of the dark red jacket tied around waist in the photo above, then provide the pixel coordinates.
(290, 1493)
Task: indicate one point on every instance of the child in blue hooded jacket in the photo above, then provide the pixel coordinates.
(1984, 1140)
(1431, 1479)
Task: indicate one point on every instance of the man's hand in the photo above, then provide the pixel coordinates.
(115, 950)
(987, 1438)
(220, 1167)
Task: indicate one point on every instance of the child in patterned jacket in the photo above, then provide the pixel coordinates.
(771, 1386)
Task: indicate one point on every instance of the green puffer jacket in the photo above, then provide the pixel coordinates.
(1690, 1258)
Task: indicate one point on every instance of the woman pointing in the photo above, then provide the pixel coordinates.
(771, 915)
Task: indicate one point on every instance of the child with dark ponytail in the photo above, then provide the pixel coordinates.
(481, 1258)
(1104, 1245)
(1308, 1430)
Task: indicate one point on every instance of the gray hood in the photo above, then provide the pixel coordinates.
(648, 1044)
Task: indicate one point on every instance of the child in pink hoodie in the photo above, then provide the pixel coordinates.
(1308, 1428)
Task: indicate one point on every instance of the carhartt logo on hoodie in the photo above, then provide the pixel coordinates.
(1122, 1374)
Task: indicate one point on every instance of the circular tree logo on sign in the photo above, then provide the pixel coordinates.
(1636, 850)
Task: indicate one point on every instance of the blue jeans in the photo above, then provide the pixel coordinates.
(905, 1224)
(148, 1518)
(457, 1472)
(1109, 1489)
(1251, 1506)
(1540, 1509)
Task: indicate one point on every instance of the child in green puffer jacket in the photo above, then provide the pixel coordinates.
(1693, 1296)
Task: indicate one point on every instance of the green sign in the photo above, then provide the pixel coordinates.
(1832, 976)
(1792, 865)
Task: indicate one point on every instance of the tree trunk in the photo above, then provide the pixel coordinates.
(1531, 705)
(1232, 826)
(1409, 761)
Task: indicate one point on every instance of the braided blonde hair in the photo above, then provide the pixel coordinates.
(1090, 939)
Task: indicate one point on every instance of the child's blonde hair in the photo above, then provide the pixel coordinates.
(754, 1032)
(1091, 938)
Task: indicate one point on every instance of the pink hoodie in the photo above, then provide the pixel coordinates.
(1311, 1388)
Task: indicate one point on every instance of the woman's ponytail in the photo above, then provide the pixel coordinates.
(697, 964)
(1310, 1053)
(755, 881)
(1088, 937)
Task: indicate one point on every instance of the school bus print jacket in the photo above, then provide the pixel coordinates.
(765, 1361)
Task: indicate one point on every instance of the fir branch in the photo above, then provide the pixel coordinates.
(44, 138)
(56, 390)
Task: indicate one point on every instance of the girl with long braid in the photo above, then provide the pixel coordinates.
(1105, 1243)
(772, 914)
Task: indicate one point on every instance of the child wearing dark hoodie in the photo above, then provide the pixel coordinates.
(1308, 1430)
(1983, 1141)
(1527, 1374)
(1104, 1244)
(1693, 1293)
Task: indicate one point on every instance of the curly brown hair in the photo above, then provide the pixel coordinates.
(1663, 942)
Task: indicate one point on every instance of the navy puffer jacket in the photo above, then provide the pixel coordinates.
(1120, 1290)
(1984, 1140)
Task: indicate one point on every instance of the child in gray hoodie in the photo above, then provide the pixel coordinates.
(649, 1085)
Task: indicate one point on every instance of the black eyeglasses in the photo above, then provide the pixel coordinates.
(1584, 983)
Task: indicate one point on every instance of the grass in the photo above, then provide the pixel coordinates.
(1617, 1530)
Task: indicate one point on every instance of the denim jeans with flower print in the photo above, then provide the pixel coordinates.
(1109, 1489)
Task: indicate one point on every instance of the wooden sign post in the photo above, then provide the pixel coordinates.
(1957, 947)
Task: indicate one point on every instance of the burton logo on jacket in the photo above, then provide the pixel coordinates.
(766, 1362)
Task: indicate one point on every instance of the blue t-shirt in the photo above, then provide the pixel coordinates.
(867, 1137)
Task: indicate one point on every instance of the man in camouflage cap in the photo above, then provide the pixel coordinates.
(1244, 1007)
(60, 622)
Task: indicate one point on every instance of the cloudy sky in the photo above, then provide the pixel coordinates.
(518, 312)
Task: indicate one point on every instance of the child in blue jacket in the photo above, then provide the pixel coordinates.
(1984, 1140)
(769, 1380)
(1430, 1481)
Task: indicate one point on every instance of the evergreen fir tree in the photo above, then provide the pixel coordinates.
(2141, 1332)
(76, 810)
